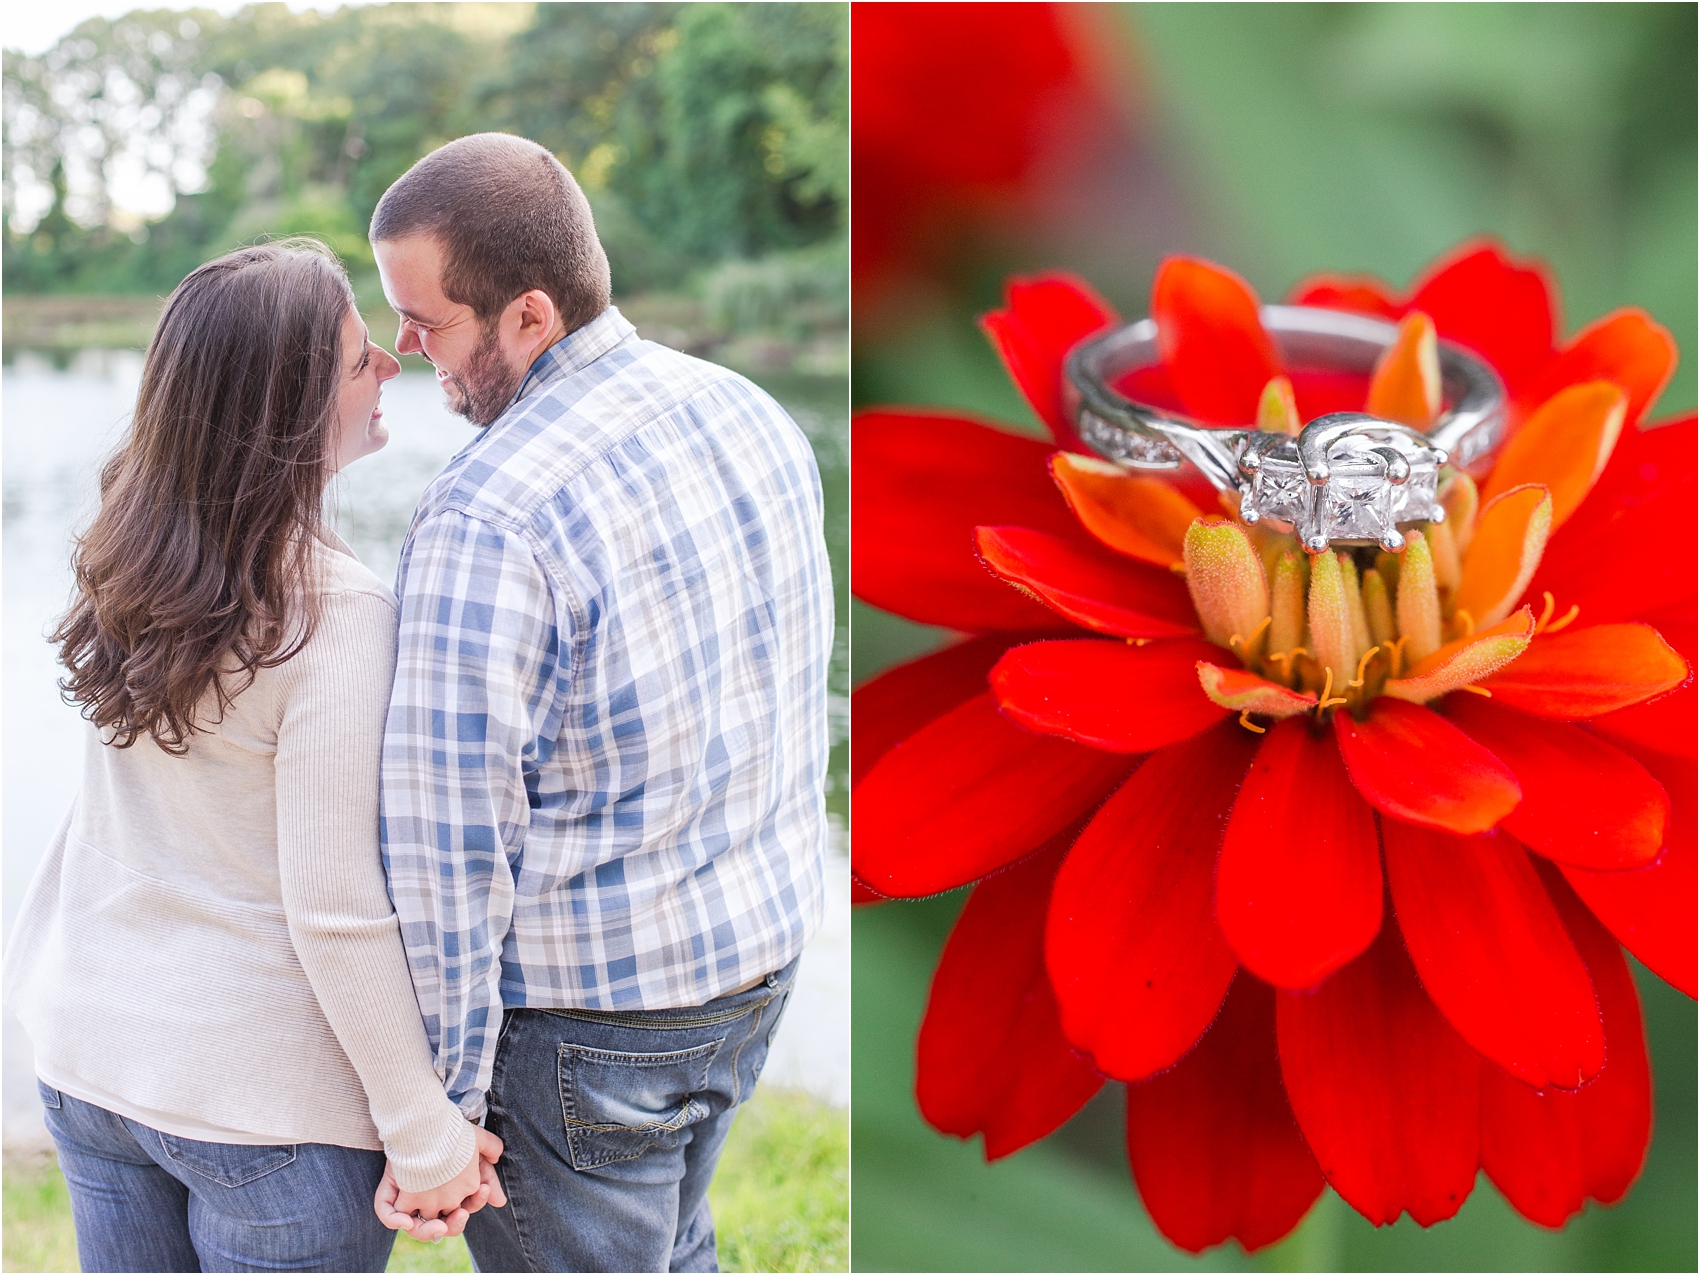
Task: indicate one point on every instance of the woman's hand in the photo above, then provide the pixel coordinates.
(443, 1210)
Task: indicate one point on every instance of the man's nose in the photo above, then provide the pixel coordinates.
(407, 339)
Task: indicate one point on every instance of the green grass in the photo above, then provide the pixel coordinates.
(36, 1215)
(780, 1198)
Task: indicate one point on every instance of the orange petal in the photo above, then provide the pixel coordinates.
(1406, 384)
(1510, 537)
(1278, 410)
(1563, 446)
(1145, 518)
(1468, 660)
(1211, 336)
(1583, 673)
(1245, 692)
(1461, 500)
(1626, 347)
(1225, 577)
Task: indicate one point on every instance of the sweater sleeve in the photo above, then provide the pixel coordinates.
(335, 693)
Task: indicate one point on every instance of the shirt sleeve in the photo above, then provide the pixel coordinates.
(477, 656)
(340, 920)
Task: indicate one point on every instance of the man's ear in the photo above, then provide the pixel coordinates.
(538, 318)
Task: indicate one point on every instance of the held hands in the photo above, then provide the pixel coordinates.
(443, 1210)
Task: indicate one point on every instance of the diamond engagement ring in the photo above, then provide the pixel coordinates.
(1347, 479)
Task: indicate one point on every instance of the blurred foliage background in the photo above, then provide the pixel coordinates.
(1280, 140)
(710, 138)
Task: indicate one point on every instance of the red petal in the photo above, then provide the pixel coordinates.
(1616, 1110)
(1218, 355)
(991, 1057)
(1215, 1151)
(1657, 455)
(1617, 557)
(1090, 585)
(1319, 392)
(1630, 562)
(922, 484)
(862, 894)
(1137, 962)
(888, 708)
(1584, 803)
(1625, 347)
(1361, 293)
(1546, 1150)
(1651, 910)
(1493, 954)
(1384, 1091)
(1298, 890)
(1415, 765)
(1043, 318)
(968, 794)
(1127, 699)
(1500, 308)
(1666, 723)
(1582, 673)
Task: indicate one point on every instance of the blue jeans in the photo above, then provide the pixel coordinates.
(148, 1201)
(612, 1124)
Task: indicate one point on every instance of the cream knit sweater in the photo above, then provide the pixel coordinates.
(210, 942)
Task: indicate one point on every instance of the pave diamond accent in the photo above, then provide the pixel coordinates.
(1126, 446)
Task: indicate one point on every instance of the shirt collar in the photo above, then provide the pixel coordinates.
(575, 351)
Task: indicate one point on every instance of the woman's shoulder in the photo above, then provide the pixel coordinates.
(343, 577)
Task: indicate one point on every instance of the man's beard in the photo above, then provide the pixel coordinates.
(485, 385)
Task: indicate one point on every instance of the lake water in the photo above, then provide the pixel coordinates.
(57, 425)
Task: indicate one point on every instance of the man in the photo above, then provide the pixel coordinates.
(603, 769)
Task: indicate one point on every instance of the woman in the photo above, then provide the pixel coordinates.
(207, 962)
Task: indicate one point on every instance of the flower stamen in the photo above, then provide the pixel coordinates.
(1542, 625)
(1362, 664)
(1245, 720)
(1396, 655)
(1477, 690)
(1244, 645)
(1466, 622)
(1328, 701)
(1286, 658)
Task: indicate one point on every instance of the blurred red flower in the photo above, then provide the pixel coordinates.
(956, 106)
(1369, 931)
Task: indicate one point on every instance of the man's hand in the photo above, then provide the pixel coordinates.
(442, 1211)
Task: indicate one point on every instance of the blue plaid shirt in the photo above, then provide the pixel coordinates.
(606, 751)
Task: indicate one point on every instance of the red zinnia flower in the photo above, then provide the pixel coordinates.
(1328, 857)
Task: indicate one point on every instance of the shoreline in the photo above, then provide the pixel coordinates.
(57, 325)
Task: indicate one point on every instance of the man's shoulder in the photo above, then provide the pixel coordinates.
(640, 403)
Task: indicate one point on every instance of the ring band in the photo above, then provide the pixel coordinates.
(1348, 478)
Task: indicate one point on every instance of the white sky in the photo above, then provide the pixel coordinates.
(35, 28)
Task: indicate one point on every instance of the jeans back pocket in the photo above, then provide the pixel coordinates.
(226, 1163)
(617, 1105)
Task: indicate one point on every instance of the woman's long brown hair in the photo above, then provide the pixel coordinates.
(196, 573)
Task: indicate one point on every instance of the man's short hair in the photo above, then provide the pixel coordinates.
(509, 217)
